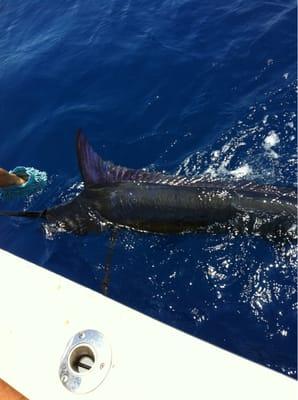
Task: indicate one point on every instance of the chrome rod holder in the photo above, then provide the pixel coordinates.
(86, 362)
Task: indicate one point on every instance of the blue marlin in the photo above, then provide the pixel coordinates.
(116, 197)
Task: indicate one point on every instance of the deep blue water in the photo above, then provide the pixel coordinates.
(195, 87)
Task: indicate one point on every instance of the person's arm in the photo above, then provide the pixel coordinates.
(9, 179)
(8, 393)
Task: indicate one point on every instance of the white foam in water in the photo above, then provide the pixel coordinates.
(215, 154)
(241, 171)
(290, 124)
(271, 141)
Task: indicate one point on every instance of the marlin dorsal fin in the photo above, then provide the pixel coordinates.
(90, 163)
(96, 171)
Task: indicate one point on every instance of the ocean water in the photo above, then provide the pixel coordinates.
(189, 87)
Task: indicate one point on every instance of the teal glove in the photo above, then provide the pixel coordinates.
(36, 181)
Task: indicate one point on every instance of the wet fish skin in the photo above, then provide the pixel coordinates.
(119, 197)
(160, 208)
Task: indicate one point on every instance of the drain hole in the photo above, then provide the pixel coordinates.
(81, 359)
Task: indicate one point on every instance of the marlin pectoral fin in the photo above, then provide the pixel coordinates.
(25, 214)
